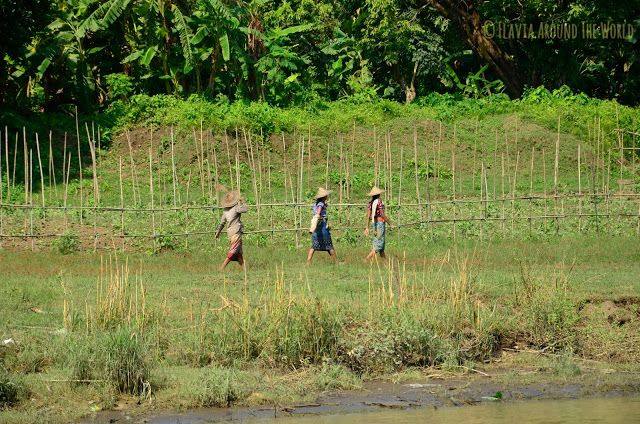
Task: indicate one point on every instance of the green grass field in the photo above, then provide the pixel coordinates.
(151, 320)
(197, 337)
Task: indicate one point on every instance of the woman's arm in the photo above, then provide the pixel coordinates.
(366, 226)
(223, 221)
(242, 207)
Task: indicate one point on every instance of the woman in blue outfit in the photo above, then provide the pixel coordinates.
(320, 235)
(377, 220)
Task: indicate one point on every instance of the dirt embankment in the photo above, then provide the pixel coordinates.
(433, 391)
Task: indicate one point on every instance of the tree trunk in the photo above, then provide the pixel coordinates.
(464, 14)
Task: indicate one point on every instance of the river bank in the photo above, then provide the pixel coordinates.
(545, 378)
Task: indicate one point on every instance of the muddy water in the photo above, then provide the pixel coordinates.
(602, 411)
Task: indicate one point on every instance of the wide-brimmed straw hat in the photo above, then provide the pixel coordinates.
(322, 192)
(230, 199)
(375, 191)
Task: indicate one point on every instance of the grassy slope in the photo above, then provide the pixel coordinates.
(186, 293)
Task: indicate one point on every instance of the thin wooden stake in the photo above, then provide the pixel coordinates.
(41, 173)
(153, 212)
(122, 230)
(415, 160)
(92, 148)
(173, 170)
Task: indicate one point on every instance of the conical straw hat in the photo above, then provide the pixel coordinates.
(230, 199)
(375, 191)
(322, 192)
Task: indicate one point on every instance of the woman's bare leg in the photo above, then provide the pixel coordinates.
(332, 253)
(310, 255)
(224, 264)
(370, 255)
(241, 261)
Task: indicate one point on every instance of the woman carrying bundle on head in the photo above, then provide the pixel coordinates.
(377, 220)
(320, 235)
(234, 206)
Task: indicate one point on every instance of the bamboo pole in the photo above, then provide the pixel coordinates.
(6, 158)
(400, 189)
(579, 189)
(237, 162)
(52, 170)
(92, 148)
(495, 166)
(201, 158)
(269, 173)
(284, 169)
(79, 164)
(199, 162)
(309, 156)
(386, 170)
(376, 170)
(216, 177)
(15, 155)
(353, 145)
(31, 199)
(66, 189)
(134, 185)
(260, 155)
(544, 182)
(186, 211)
(41, 172)
(122, 230)
(326, 169)
(226, 142)
(151, 192)
(173, 169)
(475, 151)
(502, 185)
(209, 154)
(390, 165)
(513, 190)
(453, 181)
(26, 166)
(531, 168)
(256, 175)
(555, 176)
(301, 182)
(439, 151)
(415, 161)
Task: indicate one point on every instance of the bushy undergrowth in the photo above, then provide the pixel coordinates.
(9, 391)
(120, 357)
(539, 104)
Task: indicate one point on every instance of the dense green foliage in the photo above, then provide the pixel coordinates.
(91, 52)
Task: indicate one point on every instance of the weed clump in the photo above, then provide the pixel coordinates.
(121, 358)
(67, 243)
(126, 363)
(222, 387)
(11, 391)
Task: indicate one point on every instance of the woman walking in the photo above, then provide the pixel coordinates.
(377, 220)
(234, 207)
(320, 235)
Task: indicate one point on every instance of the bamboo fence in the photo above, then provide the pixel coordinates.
(429, 185)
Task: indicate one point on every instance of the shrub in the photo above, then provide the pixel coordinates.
(11, 390)
(126, 363)
(222, 387)
(336, 377)
(67, 243)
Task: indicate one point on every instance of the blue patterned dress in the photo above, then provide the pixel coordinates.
(321, 237)
(378, 226)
